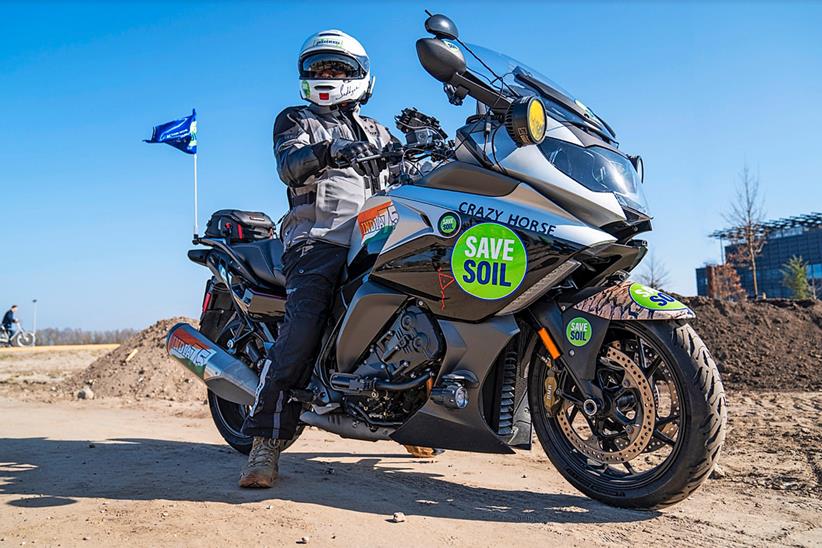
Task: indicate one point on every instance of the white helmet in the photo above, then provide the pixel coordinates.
(334, 69)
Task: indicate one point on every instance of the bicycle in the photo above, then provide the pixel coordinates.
(20, 338)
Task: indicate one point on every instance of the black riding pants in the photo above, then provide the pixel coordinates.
(312, 270)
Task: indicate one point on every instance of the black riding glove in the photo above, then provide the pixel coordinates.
(351, 153)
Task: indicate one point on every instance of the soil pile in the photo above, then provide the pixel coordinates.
(764, 345)
(140, 369)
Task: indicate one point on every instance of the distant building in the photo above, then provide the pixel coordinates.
(799, 236)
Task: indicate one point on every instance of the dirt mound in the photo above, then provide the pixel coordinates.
(140, 369)
(764, 345)
(767, 345)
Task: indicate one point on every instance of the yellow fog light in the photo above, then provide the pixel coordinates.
(525, 121)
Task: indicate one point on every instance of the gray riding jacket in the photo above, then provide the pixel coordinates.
(324, 200)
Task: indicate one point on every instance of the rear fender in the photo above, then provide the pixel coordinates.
(631, 300)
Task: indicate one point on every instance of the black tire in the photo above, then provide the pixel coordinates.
(24, 338)
(700, 438)
(228, 418)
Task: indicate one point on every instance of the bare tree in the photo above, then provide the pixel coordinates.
(746, 216)
(654, 272)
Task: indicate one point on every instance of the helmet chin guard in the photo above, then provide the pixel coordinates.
(352, 87)
(334, 92)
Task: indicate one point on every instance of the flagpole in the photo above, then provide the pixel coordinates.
(196, 229)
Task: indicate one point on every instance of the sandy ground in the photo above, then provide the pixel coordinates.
(39, 365)
(156, 472)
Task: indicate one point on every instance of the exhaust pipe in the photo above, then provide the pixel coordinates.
(221, 372)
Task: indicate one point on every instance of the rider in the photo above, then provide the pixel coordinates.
(10, 322)
(317, 148)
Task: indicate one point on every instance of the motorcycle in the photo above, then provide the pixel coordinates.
(485, 297)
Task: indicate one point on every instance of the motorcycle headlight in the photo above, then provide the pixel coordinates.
(525, 121)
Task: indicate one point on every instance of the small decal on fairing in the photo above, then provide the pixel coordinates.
(578, 331)
(378, 221)
(449, 224)
(652, 299)
(489, 261)
(445, 280)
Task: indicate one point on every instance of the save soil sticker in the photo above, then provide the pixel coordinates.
(448, 224)
(578, 331)
(377, 222)
(489, 261)
(653, 299)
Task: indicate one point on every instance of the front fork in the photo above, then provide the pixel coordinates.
(574, 339)
(574, 334)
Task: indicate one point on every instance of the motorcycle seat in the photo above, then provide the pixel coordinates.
(265, 260)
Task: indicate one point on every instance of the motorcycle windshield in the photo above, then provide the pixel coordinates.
(599, 169)
(516, 78)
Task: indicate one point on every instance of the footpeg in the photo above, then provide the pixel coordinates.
(352, 384)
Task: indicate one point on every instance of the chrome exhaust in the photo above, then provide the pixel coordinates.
(221, 372)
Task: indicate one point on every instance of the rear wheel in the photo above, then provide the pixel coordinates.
(661, 428)
(228, 417)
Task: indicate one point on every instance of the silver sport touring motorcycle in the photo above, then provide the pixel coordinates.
(486, 295)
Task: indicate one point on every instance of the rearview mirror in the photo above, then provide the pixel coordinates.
(442, 27)
(442, 60)
(639, 166)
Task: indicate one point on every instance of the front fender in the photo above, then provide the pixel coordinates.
(631, 300)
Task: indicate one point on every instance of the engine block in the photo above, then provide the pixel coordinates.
(410, 343)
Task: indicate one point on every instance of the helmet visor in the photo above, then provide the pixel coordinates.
(330, 66)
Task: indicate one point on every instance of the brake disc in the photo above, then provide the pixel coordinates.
(671, 428)
(639, 433)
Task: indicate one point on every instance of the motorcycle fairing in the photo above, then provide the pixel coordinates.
(416, 257)
(371, 308)
(468, 349)
(622, 302)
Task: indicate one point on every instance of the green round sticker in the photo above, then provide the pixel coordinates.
(449, 224)
(653, 299)
(578, 331)
(489, 261)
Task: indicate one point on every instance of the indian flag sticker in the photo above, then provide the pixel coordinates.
(377, 222)
(489, 261)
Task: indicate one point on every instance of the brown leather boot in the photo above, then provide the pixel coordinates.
(262, 467)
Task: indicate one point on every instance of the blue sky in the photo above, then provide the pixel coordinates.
(97, 223)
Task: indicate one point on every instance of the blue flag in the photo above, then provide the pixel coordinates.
(181, 134)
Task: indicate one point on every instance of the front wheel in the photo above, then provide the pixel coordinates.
(24, 338)
(661, 429)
